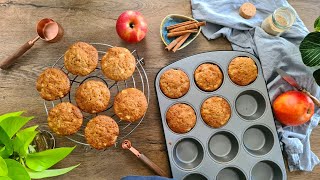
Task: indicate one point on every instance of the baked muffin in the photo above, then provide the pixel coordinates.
(53, 84)
(208, 77)
(65, 119)
(130, 104)
(174, 83)
(181, 118)
(92, 96)
(242, 70)
(81, 59)
(215, 111)
(101, 132)
(118, 64)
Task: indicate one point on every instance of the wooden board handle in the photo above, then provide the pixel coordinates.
(6, 63)
(314, 99)
(152, 165)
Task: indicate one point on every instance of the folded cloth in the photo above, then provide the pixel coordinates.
(223, 19)
(145, 178)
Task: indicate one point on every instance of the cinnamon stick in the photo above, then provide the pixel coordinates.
(173, 43)
(179, 33)
(189, 26)
(184, 38)
(180, 24)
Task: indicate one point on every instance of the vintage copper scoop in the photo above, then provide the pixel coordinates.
(126, 144)
(47, 29)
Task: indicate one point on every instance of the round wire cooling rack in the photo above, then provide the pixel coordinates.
(138, 80)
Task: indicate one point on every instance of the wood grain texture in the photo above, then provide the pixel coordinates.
(94, 21)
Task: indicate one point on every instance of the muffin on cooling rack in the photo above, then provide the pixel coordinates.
(118, 64)
(181, 118)
(65, 119)
(130, 104)
(242, 70)
(174, 83)
(208, 77)
(92, 96)
(81, 59)
(53, 84)
(101, 132)
(215, 111)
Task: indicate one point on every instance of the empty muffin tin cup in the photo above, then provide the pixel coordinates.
(188, 153)
(250, 104)
(265, 170)
(258, 140)
(231, 173)
(223, 146)
(195, 176)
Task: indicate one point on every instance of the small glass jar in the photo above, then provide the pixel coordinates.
(279, 21)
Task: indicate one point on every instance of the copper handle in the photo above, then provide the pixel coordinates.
(314, 99)
(152, 165)
(6, 63)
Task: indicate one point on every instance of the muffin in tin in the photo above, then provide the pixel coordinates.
(208, 77)
(118, 64)
(65, 119)
(92, 96)
(101, 132)
(174, 83)
(181, 118)
(130, 104)
(53, 84)
(81, 59)
(242, 71)
(215, 111)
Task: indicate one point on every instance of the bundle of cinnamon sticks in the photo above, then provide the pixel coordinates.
(182, 31)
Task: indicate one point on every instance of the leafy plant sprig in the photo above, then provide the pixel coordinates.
(310, 49)
(17, 162)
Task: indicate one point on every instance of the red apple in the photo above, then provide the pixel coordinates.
(131, 26)
(293, 108)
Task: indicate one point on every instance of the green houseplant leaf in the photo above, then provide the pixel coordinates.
(43, 160)
(50, 172)
(7, 149)
(310, 49)
(16, 171)
(12, 125)
(3, 167)
(317, 24)
(23, 139)
(13, 114)
(316, 75)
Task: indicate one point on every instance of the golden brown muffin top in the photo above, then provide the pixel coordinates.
(174, 83)
(208, 77)
(53, 84)
(242, 70)
(181, 118)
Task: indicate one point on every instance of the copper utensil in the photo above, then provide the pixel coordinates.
(126, 144)
(47, 29)
(294, 83)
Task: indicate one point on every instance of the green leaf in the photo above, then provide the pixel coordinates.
(23, 139)
(16, 171)
(7, 150)
(43, 160)
(5, 178)
(13, 114)
(12, 125)
(317, 24)
(50, 172)
(316, 75)
(3, 167)
(310, 49)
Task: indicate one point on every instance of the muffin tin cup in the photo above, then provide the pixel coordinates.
(243, 147)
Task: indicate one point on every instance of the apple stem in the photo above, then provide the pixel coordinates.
(131, 25)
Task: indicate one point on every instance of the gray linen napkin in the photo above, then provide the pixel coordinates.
(223, 19)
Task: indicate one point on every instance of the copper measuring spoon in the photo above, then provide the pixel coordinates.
(47, 29)
(126, 144)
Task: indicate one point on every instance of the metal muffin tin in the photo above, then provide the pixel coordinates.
(247, 147)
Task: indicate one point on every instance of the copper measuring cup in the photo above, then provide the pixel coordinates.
(126, 144)
(47, 29)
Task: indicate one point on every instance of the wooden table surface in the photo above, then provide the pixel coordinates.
(94, 21)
